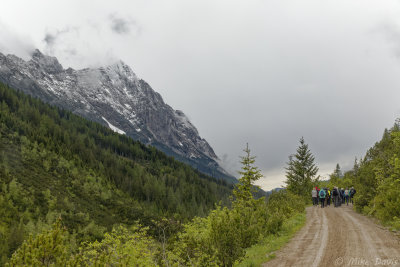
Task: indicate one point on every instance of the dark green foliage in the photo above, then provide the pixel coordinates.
(377, 179)
(301, 171)
(55, 163)
(121, 247)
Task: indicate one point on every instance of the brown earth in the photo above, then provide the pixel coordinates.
(339, 237)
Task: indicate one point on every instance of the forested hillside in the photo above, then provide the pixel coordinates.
(74, 193)
(56, 164)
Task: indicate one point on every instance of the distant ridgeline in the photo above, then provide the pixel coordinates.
(54, 163)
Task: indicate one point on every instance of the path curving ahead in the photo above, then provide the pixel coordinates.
(339, 237)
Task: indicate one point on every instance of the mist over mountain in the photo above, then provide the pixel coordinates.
(113, 96)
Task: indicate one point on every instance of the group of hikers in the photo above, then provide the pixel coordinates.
(337, 196)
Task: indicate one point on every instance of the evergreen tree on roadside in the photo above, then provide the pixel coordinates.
(301, 171)
(244, 189)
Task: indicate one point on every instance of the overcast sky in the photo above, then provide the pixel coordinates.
(263, 72)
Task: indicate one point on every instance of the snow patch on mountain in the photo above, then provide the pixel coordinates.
(112, 127)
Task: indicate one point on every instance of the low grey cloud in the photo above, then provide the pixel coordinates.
(52, 38)
(122, 25)
(74, 47)
(49, 38)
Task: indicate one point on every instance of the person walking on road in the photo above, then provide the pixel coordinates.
(347, 195)
(342, 195)
(335, 194)
(322, 195)
(328, 197)
(352, 193)
(314, 195)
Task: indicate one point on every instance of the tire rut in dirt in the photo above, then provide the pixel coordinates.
(305, 244)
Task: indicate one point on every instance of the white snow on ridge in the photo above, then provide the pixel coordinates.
(112, 127)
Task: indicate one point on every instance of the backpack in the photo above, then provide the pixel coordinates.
(352, 192)
(322, 193)
(346, 193)
(334, 192)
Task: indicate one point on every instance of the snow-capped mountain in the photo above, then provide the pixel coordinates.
(113, 96)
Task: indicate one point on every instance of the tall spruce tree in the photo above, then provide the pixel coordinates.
(301, 171)
(336, 175)
(244, 189)
(338, 171)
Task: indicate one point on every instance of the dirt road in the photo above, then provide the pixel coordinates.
(339, 237)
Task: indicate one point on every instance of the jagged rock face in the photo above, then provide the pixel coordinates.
(116, 97)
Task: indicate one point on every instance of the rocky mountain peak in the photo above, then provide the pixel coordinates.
(37, 54)
(123, 70)
(115, 97)
(48, 63)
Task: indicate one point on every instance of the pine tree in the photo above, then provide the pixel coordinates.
(301, 171)
(243, 190)
(338, 171)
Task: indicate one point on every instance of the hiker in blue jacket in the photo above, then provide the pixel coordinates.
(322, 195)
(342, 195)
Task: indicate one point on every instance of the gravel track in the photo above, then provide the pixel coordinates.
(339, 237)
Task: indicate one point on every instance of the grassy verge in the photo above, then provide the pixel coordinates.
(264, 250)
